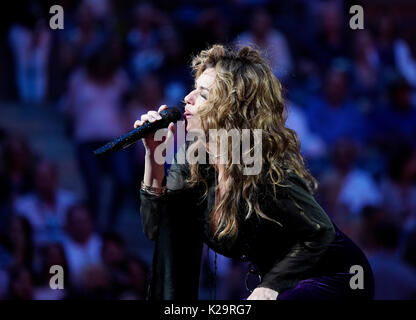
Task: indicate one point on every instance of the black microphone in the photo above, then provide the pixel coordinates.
(168, 115)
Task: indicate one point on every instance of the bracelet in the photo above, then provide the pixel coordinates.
(153, 190)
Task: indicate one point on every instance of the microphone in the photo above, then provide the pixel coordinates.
(168, 115)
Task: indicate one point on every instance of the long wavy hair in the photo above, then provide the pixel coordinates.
(246, 95)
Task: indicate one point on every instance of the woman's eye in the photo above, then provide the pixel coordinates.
(203, 97)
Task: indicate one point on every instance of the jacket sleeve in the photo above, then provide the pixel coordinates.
(152, 207)
(171, 222)
(313, 231)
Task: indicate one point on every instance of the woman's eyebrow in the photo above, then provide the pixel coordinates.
(201, 87)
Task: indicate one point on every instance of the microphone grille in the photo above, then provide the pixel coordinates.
(171, 114)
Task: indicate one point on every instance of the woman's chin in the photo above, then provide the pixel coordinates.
(191, 127)
(192, 124)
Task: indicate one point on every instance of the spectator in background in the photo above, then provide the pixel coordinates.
(52, 254)
(386, 31)
(17, 252)
(95, 284)
(18, 248)
(79, 37)
(270, 41)
(17, 167)
(365, 70)
(45, 208)
(143, 41)
(405, 57)
(137, 280)
(396, 121)
(94, 105)
(100, 8)
(20, 284)
(213, 26)
(386, 34)
(394, 279)
(114, 261)
(30, 42)
(312, 145)
(347, 189)
(82, 245)
(370, 216)
(331, 40)
(333, 115)
(398, 186)
(174, 73)
(16, 176)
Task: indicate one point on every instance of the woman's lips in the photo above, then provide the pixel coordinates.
(187, 115)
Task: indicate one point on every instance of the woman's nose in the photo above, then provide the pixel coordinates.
(189, 99)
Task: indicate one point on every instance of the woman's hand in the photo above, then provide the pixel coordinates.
(263, 294)
(149, 142)
(154, 168)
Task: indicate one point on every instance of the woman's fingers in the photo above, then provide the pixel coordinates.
(172, 128)
(137, 124)
(171, 132)
(162, 107)
(153, 116)
(150, 116)
(144, 117)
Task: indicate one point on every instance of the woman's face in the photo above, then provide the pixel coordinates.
(198, 97)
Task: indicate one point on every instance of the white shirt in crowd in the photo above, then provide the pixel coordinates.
(80, 257)
(47, 222)
(96, 108)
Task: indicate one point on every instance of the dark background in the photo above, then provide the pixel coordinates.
(351, 96)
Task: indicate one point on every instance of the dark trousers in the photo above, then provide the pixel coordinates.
(331, 279)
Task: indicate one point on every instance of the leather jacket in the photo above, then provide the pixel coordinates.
(283, 254)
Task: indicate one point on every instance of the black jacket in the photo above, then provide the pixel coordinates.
(178, 223)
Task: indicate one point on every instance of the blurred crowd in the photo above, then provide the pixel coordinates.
(351, 97)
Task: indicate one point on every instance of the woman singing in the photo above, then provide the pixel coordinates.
(270, 219)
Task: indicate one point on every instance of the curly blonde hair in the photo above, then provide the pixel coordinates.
(247, 95)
